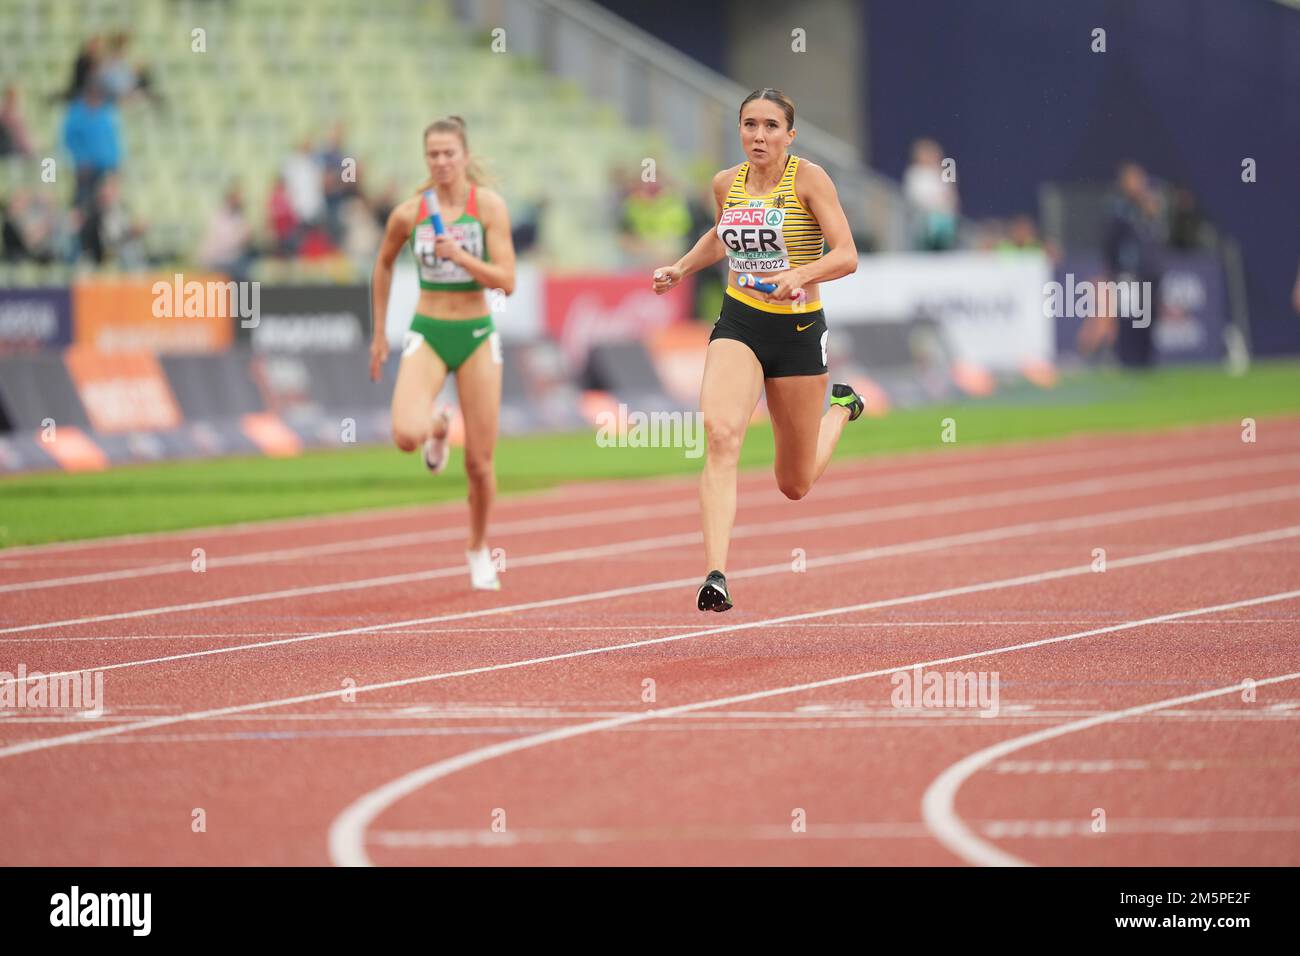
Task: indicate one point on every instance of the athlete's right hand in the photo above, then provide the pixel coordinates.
(666, 278)
(378, 356)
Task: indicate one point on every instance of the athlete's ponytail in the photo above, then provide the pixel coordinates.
(474, 169)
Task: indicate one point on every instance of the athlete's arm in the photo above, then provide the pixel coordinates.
(498, 272)
(400, 223)
(707, 250)
(814, 189)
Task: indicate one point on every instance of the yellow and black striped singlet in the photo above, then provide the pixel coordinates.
(768, 233)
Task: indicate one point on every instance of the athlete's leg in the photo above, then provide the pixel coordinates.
(419, 380)
(478, 383)
(805, 438)
(733, 381)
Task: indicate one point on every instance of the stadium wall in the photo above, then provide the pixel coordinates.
(1187, 87)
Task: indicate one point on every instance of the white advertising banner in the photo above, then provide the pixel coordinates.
(990, 304)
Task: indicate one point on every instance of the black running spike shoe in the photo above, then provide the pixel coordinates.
(844, 395)
(713, 594)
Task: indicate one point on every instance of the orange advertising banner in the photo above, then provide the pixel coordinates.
(73, 450)
(123, 392)
(269, 433)
(189, 313)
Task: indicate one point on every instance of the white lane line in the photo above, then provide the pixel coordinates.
(1208, 547)
(347, 834)
(830, 490)
(938, 803)
(348, 547)
(864, 516)
(1167, 826)
(866, 554)
(581, 493)
(841, 719)
(987, 462)
(481, 837)
(837, 625)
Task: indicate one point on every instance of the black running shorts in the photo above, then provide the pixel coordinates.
(786, 343)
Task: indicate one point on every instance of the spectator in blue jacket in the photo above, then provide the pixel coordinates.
(90, 133)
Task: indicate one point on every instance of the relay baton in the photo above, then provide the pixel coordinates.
(767, 288)
(435, 211)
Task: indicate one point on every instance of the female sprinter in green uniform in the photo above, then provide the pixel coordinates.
(774, 211)
(452, 331)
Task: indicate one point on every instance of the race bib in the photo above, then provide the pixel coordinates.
(754, 238)
(468, 235)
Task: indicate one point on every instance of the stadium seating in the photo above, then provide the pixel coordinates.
(275, 71)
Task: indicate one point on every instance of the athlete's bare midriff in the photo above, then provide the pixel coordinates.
(452, 305)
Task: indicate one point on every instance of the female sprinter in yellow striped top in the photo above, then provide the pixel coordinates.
(782, 229)
(452, 331)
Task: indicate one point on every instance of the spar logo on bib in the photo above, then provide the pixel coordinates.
(753, 237)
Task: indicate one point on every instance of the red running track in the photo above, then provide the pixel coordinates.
(328, 690)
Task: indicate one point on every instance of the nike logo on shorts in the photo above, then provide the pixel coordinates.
(800, 328)
(479, 333)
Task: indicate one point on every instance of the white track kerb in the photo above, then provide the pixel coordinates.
(938, 803)
(347, 835)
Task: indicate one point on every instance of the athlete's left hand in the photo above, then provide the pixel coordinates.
(789, 285)
(445, 247)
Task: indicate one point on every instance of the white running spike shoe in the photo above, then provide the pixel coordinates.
(482, 572)
(437, 450)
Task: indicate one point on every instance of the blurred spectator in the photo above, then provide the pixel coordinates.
(109, 233)
(1187, 226)
(121, 78)
(33, 227)
(359, 234)
(526, 226)
(90, 135)
(1021, 234)
(384, 203)
(1133, 252)
(932, 200)
(304, 181)
(336, 190)
(116, 74)
(227, 244)
(13, 128)
(83, 69)
(655, 223)
(281, 220)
